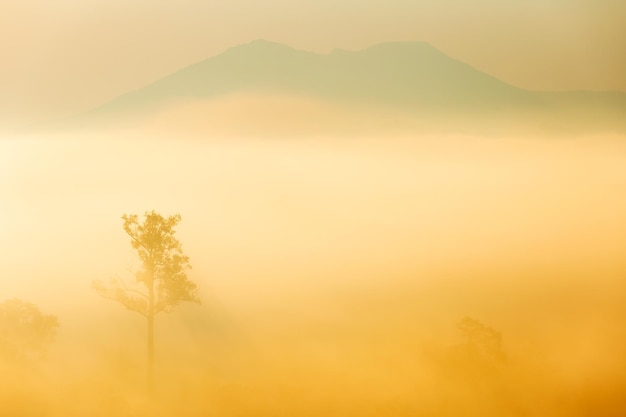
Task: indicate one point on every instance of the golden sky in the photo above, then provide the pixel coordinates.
(66, 56)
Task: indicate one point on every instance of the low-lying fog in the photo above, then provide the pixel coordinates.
(333, 273)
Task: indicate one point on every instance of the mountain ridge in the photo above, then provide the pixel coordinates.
(409, 76)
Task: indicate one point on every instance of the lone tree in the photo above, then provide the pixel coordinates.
(162, 278)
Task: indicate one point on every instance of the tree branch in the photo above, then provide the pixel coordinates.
(120, 294)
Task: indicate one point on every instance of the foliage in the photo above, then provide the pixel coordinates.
(25, 332)
(481, 339)
(163, 267)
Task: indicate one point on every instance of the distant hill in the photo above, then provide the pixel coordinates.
(409, 77)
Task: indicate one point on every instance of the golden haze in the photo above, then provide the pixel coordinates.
(333, 272)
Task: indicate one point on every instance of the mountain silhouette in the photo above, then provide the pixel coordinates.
(412, 77)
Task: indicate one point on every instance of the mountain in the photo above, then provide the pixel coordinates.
(409, 77)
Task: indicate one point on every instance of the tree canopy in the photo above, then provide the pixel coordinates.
(25, 332)
(163, 271)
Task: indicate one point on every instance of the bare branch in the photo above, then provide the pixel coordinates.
(120, 294)
(131, 290)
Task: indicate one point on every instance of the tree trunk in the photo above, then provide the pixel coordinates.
(151, 336)
(150, 353)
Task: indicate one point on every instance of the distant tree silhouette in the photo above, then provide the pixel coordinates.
(481, 339)
(162, 276)
(25, 332)
(474, 372)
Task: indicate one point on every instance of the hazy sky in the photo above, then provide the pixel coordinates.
(65, 56)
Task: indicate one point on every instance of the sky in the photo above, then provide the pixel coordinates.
(60, 57)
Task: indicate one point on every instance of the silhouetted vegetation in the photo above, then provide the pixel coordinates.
(162, 275)
(479, 340)
(25, 332)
